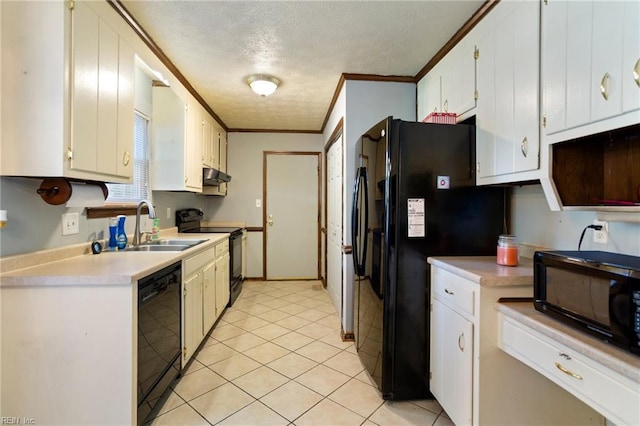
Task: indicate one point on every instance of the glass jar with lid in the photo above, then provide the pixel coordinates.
(507, 253)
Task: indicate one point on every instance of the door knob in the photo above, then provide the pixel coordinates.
(270, 220)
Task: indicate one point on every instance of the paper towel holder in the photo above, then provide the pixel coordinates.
(57, 191)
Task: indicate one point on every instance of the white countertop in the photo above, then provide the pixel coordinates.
(106, 268)
(485, 271)
(606, 354)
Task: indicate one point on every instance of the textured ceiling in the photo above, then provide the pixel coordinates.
(306, 44)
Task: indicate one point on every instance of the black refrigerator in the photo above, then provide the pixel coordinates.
(414, 196)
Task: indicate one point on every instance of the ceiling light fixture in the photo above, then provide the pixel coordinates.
(263, 84)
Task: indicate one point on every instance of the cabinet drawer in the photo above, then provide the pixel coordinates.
(613, 395)
(195, 263)
(453, 290)
(222, 248)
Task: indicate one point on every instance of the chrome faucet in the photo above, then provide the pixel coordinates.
(152, 215)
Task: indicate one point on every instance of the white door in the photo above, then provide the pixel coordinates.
(334, 223)
(292, 215)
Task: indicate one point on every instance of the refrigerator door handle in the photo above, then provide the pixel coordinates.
(365, 237)
(354, 222)
(358, 264)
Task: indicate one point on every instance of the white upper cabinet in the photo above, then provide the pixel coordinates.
(450, 86)
(458, 78)
(428, 93)
(176, 149)
(507, 136)
(68, 106)
(590, 52)
(209, 143)
(631, 58)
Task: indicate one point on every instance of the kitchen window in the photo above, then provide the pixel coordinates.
(139, 189)
(123, 198)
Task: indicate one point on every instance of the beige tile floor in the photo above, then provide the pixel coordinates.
(276, 358)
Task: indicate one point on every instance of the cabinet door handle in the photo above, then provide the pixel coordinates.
(604, 86)
(636, 73)
(270, 220)
(446, 290)
(126, 157)
(524, 147)
(568, 372)
(461, 342)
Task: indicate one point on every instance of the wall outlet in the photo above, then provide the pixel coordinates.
(70, 223)
(602, 236)
(168, 212)
(258, 202)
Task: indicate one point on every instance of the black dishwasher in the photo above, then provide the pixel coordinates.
(158, 335)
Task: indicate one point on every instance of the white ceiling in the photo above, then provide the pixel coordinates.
(216, 45)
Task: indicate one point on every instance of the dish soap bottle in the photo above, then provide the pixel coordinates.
(122, 236)
(155, 232)
(113, 233)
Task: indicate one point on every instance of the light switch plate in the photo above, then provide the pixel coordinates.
(70, 223)
(258, 202)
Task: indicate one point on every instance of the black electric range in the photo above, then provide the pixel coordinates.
(188, 221)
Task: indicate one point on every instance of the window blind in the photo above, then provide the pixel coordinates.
(139, 189)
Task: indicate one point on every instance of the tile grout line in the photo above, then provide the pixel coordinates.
(315, 301)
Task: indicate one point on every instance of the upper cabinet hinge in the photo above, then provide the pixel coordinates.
(69, 154)
(544, 121)
(70, 4)
(475, 95)
(546, 2)
(476, 53)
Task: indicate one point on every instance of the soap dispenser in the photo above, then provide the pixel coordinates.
(113, 233)
(122, 236)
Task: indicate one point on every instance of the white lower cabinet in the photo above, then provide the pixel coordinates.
(205, 294)
(473, 380)
(452, 345)
(223, 292)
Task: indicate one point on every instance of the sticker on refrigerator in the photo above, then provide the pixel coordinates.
(415, 217)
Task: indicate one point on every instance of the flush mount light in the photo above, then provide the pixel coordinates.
(263, 84)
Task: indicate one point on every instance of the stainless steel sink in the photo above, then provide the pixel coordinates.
(165, 245)
(173, 242)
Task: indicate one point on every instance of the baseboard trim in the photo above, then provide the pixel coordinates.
(347, 337)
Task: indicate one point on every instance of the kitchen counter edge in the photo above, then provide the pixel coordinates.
(106, 268)
(485, 271)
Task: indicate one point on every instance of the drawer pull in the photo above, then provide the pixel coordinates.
(604, 86)
(565, 371)
(446, 290)
(524, 147)
(461, 342)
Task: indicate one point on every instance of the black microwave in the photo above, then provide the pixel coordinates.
(596, 291)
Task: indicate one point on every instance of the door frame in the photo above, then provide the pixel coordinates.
(338, 133)
(265, 155)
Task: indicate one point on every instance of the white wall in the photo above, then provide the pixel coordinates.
(534, 223)
(363, 104)
(244, 164)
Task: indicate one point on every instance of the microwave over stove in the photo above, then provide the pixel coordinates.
(596, 291)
